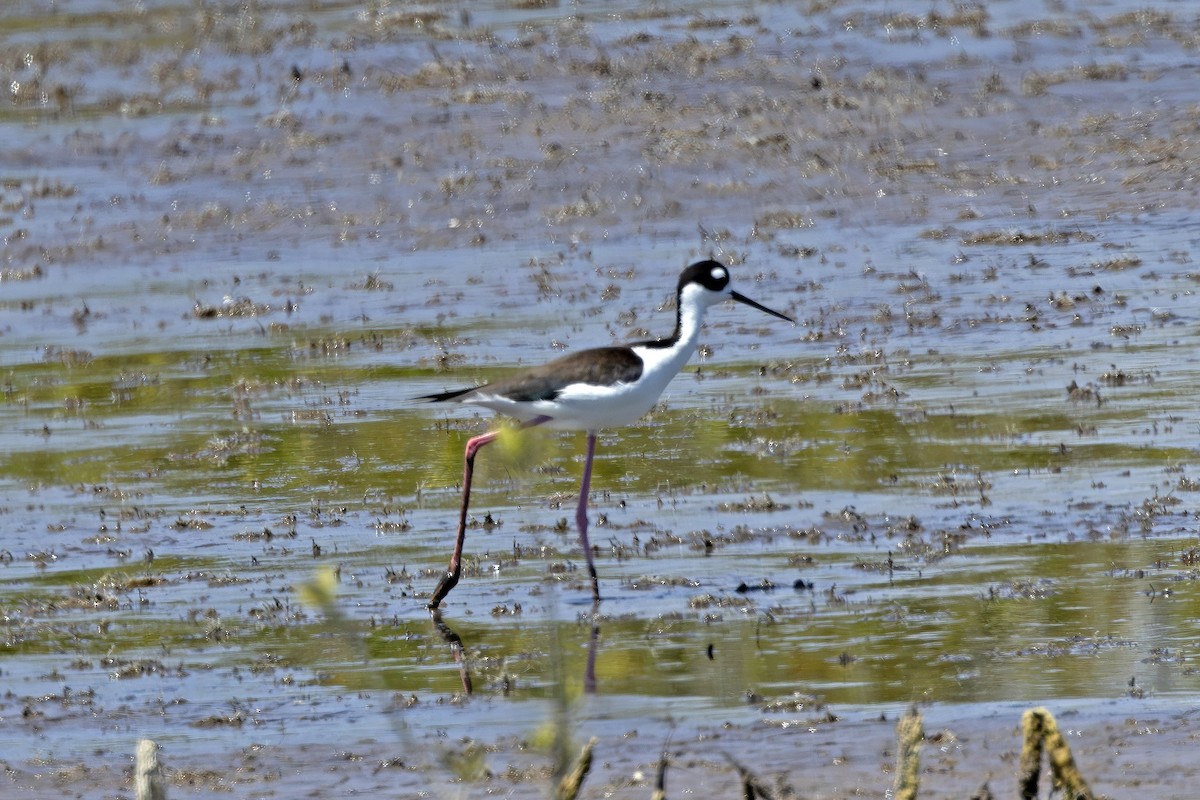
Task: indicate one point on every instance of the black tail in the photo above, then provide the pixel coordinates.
(444, 396)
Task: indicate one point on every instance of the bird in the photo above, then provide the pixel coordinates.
(591, 390)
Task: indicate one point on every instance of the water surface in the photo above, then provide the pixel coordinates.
(234, 252)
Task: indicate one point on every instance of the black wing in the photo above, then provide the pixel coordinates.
(600, 366)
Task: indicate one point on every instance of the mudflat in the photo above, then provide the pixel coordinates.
(238, 239)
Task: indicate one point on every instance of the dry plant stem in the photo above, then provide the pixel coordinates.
(660, 785)
(983, 793)
(148, 780)
(572, 782)
(910, 732)
(752, 787)
(1042, 733)
(1031, 754)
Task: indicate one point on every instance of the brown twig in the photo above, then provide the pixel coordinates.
(910, 733)
(572, 782)
(1042, 733)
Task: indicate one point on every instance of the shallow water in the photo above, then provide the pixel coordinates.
(222, 285)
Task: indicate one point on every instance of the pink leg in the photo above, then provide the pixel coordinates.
(581, 517)
(450, 579)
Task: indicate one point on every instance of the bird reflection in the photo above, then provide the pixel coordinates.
(450, 637)
(458, 649)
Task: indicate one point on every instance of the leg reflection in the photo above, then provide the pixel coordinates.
(589, 675)
(450, 637)
(458, 649)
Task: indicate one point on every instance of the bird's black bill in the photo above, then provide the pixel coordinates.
(741, 298)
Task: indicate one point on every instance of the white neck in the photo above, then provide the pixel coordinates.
(693, 303)
(667, 361)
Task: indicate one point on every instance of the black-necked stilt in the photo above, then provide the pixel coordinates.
(599, 388)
